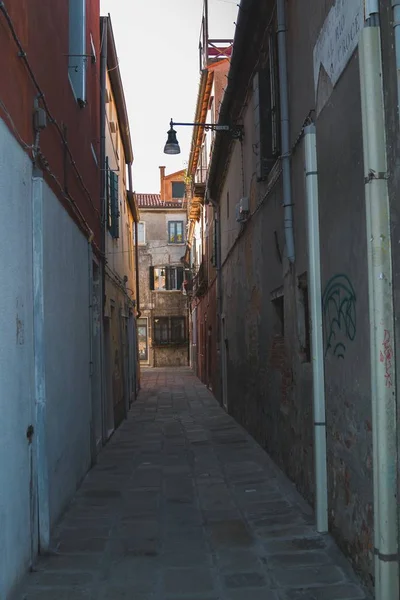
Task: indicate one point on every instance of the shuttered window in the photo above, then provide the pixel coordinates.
(266, 109)
(166, 278)
(112, 201)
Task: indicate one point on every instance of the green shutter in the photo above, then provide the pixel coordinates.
(114, 204)
(108, 195)
(179, 277)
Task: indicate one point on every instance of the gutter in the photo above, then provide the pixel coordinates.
(118, 91)
(135, 211)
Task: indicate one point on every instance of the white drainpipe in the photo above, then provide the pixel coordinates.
(381, 317)
(314, 277)
(39, 364)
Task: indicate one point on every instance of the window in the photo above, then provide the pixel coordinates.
(142, 339)
(166, 278)
(112, 202)
(141, 229)
(175, 232)
(227, 205)
(178, 189)
(266, 109)
(169, 330)
(77, 49)
(130, 245)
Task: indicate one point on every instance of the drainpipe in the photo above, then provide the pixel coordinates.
(381, 315)
(314, 270)
(103, 183)
(285, 139)
(217, 217)
(138, 313)
(39, 363)
(396, 28)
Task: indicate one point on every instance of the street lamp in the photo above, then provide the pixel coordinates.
(172, 144)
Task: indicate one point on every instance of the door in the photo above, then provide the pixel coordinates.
(224, 357)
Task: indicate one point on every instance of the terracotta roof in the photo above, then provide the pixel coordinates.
(154, 201)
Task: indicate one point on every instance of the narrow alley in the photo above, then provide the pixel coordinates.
(184, 504)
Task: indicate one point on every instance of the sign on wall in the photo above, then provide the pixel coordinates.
(338, 39)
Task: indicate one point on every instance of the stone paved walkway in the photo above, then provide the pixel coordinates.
(183, 505)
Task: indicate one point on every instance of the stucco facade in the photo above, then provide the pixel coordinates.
(163, 323)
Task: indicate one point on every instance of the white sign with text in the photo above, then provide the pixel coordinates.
(338, 38)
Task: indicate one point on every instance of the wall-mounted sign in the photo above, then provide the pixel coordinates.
(338, 39)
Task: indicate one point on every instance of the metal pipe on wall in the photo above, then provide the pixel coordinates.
(40, 439)
(381, 314)
(285, 139)
(103, 182)
(314, 278)
(396, 28)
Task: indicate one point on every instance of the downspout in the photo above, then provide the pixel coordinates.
(220, 341)
(285, 139)
(138, 313)
(103, 183)
(314, 270)
(381, 313)
(396, 27)
(39, 364)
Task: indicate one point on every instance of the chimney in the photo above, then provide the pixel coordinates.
(162, 184)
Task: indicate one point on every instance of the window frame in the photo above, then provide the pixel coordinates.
(171, 339)
(178, 275)
(143, 243)
(180, 183)
(267, 108)
(175, 224)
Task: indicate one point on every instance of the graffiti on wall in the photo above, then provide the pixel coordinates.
(339, 315)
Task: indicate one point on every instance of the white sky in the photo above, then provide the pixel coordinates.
(157, 45)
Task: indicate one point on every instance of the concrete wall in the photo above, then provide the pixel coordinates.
(269, 375)
(16, 361)
(67, 352)
(67, 358)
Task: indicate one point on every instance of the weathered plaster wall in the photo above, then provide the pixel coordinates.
(269, 378)
(67, 353)
(16, 360)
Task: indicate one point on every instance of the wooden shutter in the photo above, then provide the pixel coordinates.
(179, 277)
(108, 195)
(151, 278)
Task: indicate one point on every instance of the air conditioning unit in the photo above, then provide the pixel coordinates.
(242, 210)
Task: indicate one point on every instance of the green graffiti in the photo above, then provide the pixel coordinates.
(339, 314)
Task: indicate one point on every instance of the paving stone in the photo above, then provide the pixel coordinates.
(184, 581)
(334, 592)
(183, 505)
(298, 559)
(230, 533)
(307, 576)
(245, 580)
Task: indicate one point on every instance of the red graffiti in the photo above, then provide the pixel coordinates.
(386, 358)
